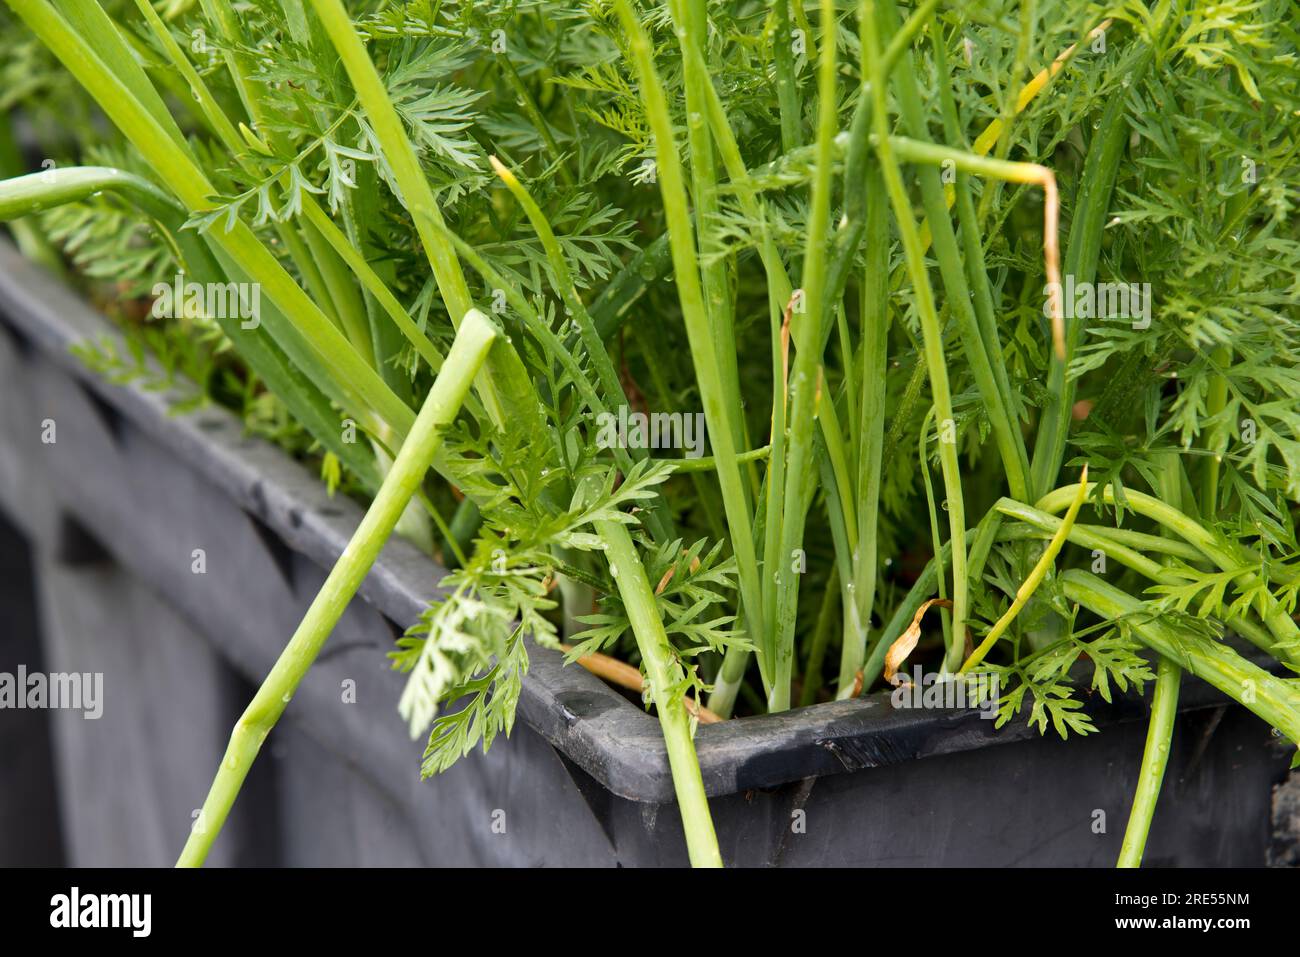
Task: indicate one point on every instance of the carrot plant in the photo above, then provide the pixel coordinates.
(1046, 248)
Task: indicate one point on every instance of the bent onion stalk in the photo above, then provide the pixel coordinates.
(470, 348)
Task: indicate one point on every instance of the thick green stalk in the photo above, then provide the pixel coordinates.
(691, 18)
(874, 306)
(1155, 756)
(1082, 252)
(769, 507)
(305, 402)
(26, 233)
(508, 394)
(703, 353)
(837, 480)
(806, 376)
(1271, 698)
(663, 672)
(998, 404)
(469, 350)
(343, 296)
(372, 282)
(936, 538)
(972, 239)
(787, 93)
(1225, 555)
(91, 25)
(780, 289)
(1164, 702)
(311, 341)
(25, 195)
(931, 333)
(727, 682)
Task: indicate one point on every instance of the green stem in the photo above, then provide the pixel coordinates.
(308, 405)
(611, 308)
(468, 352)
(508, 392)
(372, 282)
(591, 341)
(316, 265)
(703, 353)
(25, 195)
(1225, 555)
(1271, 698)
(1122, 545)
(806, 376)
(707, 463)
(342, 292)
(309, 338)
(1164, 701)
(691, 18)
(1217, 440)
(1011, 98)
(1155, 756)
(1035, 578)
(932, 513)
(663, 671)
(658, 520)
(525, 99)
(931, 332)
(726, 685)
(998, 403)
(848, 236)
(1082, 252)
(787, 93)
(812, 675)
(874, 306)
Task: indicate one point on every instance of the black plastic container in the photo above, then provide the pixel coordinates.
(118, 509)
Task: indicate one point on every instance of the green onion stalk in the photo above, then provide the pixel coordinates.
(1155, 757)
(1228, 556)
(708, 364)
(1271, 698)
(664, 675)
(469, 350)
(931, 332)
(1164, 705)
